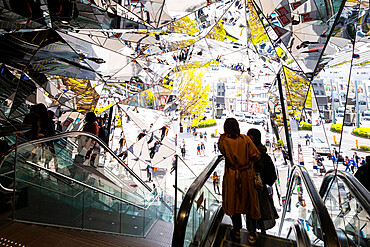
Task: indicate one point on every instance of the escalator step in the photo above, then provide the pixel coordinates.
(263, 240)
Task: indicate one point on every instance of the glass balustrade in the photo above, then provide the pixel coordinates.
(346, 212)
(56, 184)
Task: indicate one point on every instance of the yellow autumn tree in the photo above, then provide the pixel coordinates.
(193, 99)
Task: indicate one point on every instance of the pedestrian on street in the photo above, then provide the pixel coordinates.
(215, 147)
(307, 139)
(205, 136)
(315, 166)
(203, 148)
(183, 151)
(356, 158)
(216, 181)
(198, 149)
(353, 165)
(363, 162)
(302, 214)
(347, 164)
(301, 159)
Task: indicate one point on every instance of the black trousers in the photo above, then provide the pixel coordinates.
(237, 222)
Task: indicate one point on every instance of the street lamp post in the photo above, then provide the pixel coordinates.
(332, 100)
(357, 106)
(213, 99)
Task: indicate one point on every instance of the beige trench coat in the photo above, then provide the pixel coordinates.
(238, 189)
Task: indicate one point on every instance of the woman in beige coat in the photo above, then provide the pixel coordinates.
(238, 191)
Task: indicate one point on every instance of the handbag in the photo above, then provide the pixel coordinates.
(267, 208)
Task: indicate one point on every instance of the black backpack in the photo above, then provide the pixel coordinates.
(268, 172)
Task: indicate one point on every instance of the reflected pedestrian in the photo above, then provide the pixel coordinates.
(216, 180)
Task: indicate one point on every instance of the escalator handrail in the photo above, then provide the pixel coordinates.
(302, 239)
(356, 188)
(181, 220)
(330, 237)
(79, 133)
(84, 185)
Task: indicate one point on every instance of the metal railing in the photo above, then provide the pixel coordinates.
(182, 218)
(329, 234)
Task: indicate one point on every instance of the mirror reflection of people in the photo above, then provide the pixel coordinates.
(92, 127)
(149, 171)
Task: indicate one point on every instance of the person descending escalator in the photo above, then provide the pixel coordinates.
(265, 168)
(239, 194)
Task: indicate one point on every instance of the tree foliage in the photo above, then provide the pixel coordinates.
(193, 99)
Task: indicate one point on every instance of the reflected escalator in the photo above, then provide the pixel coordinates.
(53, 186)
(202, 222)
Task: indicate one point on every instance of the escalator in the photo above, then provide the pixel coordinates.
(202, 222)
(54, 187)
(348, 203)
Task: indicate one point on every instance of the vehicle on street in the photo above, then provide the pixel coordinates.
(257, 120)
(248, 117)
(328, 116)
(320, 146)
(339, 118)
(239, 117)
(349, 119)
(365, 122)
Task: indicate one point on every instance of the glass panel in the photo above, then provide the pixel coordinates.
(346, 212)
(101, 212)
(42, 198)
(132, 220)
(42, 193)
(47, 198)
(67, 156)
(301, 207)
(202, 210)
(184, 176)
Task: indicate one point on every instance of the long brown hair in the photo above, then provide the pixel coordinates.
(231, 128)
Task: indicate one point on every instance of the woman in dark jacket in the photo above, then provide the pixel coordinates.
(267, 208)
